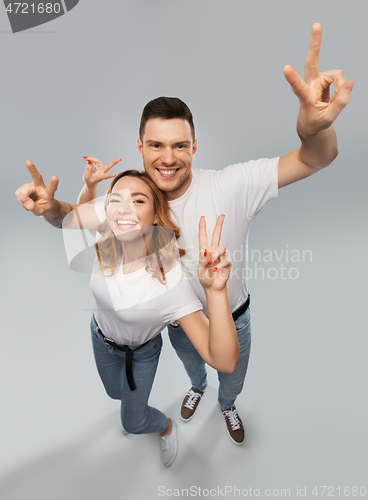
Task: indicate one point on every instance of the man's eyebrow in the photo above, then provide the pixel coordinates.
(151, 141)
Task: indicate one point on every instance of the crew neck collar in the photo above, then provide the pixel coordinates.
(183, 197)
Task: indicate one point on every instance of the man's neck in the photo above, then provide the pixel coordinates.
(177, 193)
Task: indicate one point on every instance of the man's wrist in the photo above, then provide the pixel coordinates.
(311, 132)
(320, 149)
(56, 214)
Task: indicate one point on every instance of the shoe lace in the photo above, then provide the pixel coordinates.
(164, 442)
(233, 417)
(192, 399)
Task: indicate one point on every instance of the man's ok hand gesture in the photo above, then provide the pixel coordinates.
(35, 196)
(213, 268)
(317, 110)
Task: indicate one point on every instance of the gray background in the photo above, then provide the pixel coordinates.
(75, 87)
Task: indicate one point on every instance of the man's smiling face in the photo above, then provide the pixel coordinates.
(167, 148)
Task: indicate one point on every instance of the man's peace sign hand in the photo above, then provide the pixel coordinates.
(35, 196)
(213, 268)
(317, 110)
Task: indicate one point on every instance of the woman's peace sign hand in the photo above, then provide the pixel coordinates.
(96, 172)
(214, 268)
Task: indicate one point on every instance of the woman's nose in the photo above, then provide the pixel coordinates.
(126, 207)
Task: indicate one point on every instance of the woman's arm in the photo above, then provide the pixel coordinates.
(215, 339)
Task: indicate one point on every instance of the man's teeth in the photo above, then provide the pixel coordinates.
(167, 172)
(127, 223)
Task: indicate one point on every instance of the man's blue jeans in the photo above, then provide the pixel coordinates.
(136, 416)
(230, 384)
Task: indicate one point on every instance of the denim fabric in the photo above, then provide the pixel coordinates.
(136, 416)
(230, 384)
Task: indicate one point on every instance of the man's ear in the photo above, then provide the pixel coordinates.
(140, 146)
(195, 146)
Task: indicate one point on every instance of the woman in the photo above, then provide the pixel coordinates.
(139, 288)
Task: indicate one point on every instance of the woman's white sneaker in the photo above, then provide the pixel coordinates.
(169, 446)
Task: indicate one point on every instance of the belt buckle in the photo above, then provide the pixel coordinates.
(108, 341)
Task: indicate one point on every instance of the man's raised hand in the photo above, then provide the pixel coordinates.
(213, 268)
(317, 110)
(35, 196)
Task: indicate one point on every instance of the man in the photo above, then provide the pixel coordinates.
(167, 145)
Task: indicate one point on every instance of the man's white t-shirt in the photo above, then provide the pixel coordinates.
(239, 191)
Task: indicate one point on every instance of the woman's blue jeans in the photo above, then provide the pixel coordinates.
(230, 384)
(136, 416)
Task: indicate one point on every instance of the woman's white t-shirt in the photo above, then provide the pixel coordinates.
(133, 308)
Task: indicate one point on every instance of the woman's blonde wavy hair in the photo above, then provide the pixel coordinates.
(162, 252)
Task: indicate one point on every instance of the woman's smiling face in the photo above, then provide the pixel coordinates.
(130, 208)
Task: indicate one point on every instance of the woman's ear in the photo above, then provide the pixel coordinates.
(155, 220)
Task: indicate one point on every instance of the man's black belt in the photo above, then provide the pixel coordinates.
(128, 359)
(241, 310)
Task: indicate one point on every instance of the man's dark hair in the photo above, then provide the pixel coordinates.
(167, 108)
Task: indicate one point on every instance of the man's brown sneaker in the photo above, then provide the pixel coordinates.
(190, 404)
(234, 425)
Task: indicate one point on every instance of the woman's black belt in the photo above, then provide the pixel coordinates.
(242, 309)
(128, 359)
(129, 352)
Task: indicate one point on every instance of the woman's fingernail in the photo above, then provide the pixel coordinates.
(205, 253)
(214, 269)
(89, 162)
(85, 157)
(210, 262)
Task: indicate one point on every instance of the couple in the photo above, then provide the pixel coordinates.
(167, 145)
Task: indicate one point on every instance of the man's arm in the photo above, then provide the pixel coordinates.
(316, 115)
